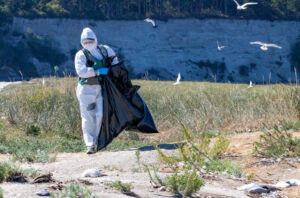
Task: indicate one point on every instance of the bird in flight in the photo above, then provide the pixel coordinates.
(244, 6)
(178, 80)
(265, 46)
(220, 47)
(148, 20)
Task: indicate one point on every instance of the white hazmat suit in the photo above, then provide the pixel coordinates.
(89, 96)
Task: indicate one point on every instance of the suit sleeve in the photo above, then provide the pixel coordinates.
(112, 53)
(80, 66)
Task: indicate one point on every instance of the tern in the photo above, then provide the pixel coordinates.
(220, 47)
(178, 80)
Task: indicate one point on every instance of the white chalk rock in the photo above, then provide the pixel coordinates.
(92, 173)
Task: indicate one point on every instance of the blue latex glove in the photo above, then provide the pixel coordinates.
(102, 71)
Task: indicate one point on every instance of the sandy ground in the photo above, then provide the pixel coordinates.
(121, 165)
(4, 84)
(117, 165)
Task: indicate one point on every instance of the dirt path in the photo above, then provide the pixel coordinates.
(4, 84)
(122, 165)
(119, 165)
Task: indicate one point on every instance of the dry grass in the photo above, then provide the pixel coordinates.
(201, 106)
(207, 106)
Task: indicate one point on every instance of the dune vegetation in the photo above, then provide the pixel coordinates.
(37, 120)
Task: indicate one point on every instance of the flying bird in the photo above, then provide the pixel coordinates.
(264, 46)
(178, 80)
(148, 20)
(220, 47)
(244, 6)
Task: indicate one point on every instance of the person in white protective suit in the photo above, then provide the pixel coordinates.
(90, 65)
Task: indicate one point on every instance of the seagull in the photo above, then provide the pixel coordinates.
(244, 6)
(148, 20)
(264, 46)
(178, 80)
(250, 85)
(220, 47)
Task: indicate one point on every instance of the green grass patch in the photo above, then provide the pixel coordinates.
(37, 149)
(10, 172)
(1, 193)
(123, 187)
(74, 191)
(43, 148)
(290, 125)
(277, 143)
(226, 167)
(180, 183)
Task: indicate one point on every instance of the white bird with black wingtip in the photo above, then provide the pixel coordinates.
(178, 80)
(244, 6)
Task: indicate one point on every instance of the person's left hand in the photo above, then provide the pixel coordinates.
(102, 71)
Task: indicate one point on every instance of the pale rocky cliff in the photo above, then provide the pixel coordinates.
(187, 46)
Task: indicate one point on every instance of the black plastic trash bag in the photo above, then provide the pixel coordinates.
(123, 107)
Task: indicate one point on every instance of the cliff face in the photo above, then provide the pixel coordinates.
(187, 46)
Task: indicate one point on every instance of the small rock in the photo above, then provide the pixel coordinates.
(43, 193)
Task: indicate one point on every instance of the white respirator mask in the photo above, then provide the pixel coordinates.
(90, 46)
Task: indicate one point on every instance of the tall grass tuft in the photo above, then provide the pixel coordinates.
(196, 154)
(32, 106)
(277, 143)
